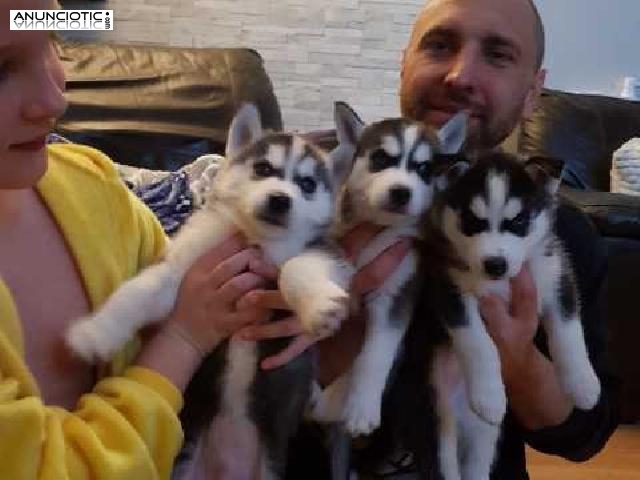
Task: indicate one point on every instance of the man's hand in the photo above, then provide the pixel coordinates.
(533, 389)
(513, 325)
(344, 345)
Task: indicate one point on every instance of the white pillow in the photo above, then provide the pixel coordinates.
(625, 168)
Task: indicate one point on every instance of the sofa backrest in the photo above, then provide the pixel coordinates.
(584, 131)
(158, 107)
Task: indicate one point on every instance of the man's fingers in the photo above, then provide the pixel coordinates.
(493, 309)
(524, 297)
(373, 275)
(358, 238)
(296, 347)
(265, 299)
(288, 327)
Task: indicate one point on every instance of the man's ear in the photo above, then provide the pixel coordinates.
(349, 128)
(531, 100)
(246, 128)
(545, 171)
(453, 134)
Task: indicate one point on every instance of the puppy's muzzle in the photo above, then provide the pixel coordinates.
(399, 199)
(495, 267)
(275, 210)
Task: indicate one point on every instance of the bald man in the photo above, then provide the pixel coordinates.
(484, 57)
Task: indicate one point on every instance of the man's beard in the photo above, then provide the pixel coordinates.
(484, 135)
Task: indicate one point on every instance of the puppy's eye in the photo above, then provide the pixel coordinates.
(380, 160)
(472, 225)
(263, 169)
(424, 169)
(517, 225)
(307, 184)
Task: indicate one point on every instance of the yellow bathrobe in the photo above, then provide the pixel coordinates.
(127, 427)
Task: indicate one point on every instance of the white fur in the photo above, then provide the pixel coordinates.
(478, 432)
(314, 283)
(356, 397)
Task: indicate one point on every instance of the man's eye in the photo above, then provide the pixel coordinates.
(263, 169)
(380, 160)
(307, 184)
(437, 48)
(499, 57)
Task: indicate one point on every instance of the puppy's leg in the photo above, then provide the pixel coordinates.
(446, 414)
(570, 356)
(389, 314)
(479, 359)
(315, 285)
(328, 404)
(142, 300)
(480, 440)
(231, 450)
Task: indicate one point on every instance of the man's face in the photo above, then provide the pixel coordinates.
(474, 55)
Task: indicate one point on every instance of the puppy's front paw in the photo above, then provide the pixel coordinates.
(583, 386)
(324, 314)
(362, 413)
(488, 400)
(90, 341)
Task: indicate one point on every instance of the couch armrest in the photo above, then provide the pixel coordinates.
(614, 214)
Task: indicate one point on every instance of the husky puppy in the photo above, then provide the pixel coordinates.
(391, 185)
(492, 217)
(280, 191)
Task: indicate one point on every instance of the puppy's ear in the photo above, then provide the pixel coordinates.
(349, 128)
(545, 171)
(447, 169)
(246, 128)
(453, 133)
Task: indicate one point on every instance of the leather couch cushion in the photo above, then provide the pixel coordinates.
(139, 101)
(584, 131)
(614, 214)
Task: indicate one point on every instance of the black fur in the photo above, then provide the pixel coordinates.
(278, 397)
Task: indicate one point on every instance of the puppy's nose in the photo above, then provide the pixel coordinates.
(400, 196)
(495, 267)
(279, 203)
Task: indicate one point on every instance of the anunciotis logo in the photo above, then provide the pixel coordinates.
(61, 20)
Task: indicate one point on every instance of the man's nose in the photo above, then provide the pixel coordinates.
(463, 72)
(45, 100)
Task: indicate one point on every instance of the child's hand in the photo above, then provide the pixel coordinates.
(205, 310)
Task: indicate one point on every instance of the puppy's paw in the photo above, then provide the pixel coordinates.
(90, 341)
(488, 400)
(325, 313)
(329, 403)
(362, 414)
(583, 386)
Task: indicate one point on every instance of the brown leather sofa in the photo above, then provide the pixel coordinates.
(160, 107)
(584, 131)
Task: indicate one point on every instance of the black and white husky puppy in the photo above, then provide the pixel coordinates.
(495, 215)
(280, 191)
(391, 185)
